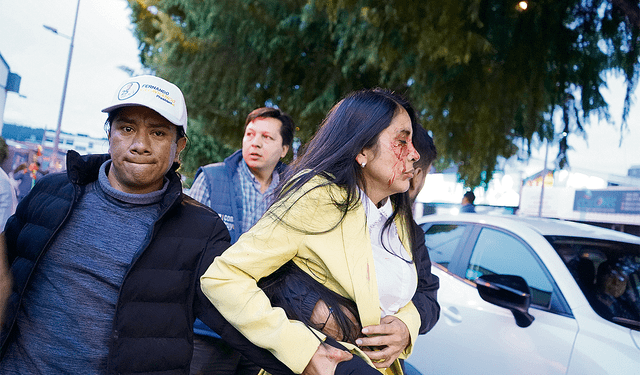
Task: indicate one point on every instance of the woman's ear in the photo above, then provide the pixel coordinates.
(361, 158)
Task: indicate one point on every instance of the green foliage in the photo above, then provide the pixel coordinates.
(202, 149)
(4, 150)
(485, 77)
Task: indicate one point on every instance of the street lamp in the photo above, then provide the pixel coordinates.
(545, 171)
(56, 140)
(522, 6)
(544, 175)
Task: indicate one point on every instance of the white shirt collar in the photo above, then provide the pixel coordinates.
(375, 215)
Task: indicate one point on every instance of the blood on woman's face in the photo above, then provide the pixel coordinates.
(389, 164)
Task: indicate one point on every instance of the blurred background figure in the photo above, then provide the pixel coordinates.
(8, 199)
(611, 285)
(423, 143)
(26, 176)
(467, 202)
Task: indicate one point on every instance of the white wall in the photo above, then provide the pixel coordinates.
(4, 74)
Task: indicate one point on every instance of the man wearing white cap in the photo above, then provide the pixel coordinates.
(106, 257)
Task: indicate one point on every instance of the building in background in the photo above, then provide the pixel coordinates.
(9, 82)
(81, 143)
(23, 145)
(604, 200)
(442, 192)
(27, 145)
(634, 171)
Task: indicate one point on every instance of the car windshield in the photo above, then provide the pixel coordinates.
(608, 272)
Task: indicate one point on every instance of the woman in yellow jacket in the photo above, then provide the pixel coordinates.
(342, 216)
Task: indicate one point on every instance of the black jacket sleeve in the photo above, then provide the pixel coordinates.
(210, 316)
(425, 298)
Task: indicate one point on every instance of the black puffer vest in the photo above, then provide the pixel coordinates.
(160, 294)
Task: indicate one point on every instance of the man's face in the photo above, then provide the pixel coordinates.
(262, 145)
(143, 147)
(417, 182)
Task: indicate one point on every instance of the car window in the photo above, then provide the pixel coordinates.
(496, 252)
(442, 241)
(608, 272)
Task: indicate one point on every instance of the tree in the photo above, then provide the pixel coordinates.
(4, 150)
(201, 149)
(486, 76)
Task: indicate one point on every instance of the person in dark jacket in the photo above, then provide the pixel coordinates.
(239, 189)
(26, 178)
(467, 202)
(106, 257)
(425, 298)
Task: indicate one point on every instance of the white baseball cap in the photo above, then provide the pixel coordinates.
(153, 92)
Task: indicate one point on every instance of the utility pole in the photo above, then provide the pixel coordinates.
(56, 140)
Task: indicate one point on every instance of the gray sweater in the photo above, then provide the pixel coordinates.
(83, 271)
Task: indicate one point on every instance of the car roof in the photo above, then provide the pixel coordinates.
(544, 226)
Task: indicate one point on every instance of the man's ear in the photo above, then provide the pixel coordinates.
(285, 149)
(181, 144)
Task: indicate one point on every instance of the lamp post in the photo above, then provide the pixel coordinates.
(545, 171)
(544, 175)
(56, 140)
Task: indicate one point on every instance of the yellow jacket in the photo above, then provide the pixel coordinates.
(341, 258)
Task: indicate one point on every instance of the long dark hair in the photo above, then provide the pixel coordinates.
(354, 124)
(297, 293)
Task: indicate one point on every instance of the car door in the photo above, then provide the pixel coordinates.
(476, 337)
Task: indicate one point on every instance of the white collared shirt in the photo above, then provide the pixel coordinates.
(397, 279)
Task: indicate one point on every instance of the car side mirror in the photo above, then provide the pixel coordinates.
(510, 292)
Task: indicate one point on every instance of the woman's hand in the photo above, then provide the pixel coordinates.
(389, 338)
(325, 360)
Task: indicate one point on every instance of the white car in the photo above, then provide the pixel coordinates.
(530, 296)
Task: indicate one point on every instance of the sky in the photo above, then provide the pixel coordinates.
(604, 148)
(104, 41)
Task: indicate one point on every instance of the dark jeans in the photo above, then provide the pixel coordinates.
(213, 356)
